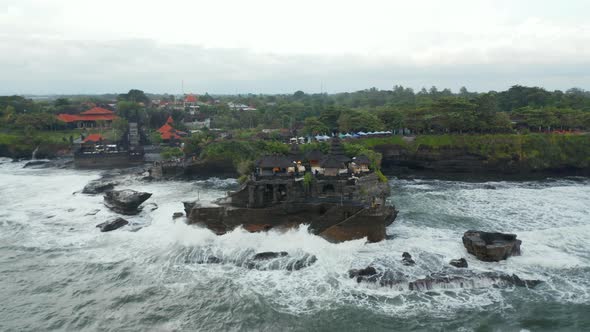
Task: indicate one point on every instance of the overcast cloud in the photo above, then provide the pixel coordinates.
(78, 46)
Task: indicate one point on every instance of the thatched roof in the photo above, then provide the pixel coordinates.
(274, 161)
(314, 155)
(332, 162)
(362, 159)
(294, 153)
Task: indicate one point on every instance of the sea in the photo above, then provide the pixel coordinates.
(58, 272)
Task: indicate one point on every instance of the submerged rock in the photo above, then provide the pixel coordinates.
(459, 263)
(35, 163)
(125, 201)
(407, 259)
(177, 215)
(363, 274)
(269, 255)
(301, 263)
(93, 212)
(111, 225)
(98, 186)
(439, 280)
(279, 260)
(150, 207)
(491, 247)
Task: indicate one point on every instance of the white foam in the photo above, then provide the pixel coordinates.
(552, 221)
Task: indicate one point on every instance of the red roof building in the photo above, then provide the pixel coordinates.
(93, 138)
(190, 99)
(167, 132)
(88, 119)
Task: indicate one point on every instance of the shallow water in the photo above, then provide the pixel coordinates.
(58, 272)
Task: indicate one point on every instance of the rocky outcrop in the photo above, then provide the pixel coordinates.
(459, 263)
(111, 225)
(98, 186)
(36, 163)
(439, 280)
(125, 201)
(407, 259)
(368, 274)
(261, 256)
(279, 260)
(298, 264)
(491, 247)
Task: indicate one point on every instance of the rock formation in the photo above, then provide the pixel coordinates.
(111, 225)
(459, 263)
(491, 247)
(407, 259)
(269, 255)
(98, 186)
(439, 280)
(125, 201)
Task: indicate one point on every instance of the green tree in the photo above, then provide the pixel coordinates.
(313, 126)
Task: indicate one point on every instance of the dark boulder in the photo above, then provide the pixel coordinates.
(443, 281)
(36, 163)
(111, 225)
(369, 273)
(407, 259)
(489, 186)
(177, 215)
(261, 256)
(98, 186)
(491, 247)
(460, 263)
(125, 201)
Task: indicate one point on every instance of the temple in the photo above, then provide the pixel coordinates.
(338, 197)
(96, 117)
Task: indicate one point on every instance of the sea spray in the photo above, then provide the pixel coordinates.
(61, 272)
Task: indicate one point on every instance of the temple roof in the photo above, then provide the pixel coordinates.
(190, 98)
(314, 155)
(362, 159)
(274, 161)
(93, 114)
(332, 162)
(98, 111)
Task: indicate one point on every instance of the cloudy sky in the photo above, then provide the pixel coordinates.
(260, 46)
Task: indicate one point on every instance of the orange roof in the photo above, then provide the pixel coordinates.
(169, 135)
(166, 128)
(190, 98)
(170, 120)
(85, 117)
(93, 138)
(97, 111)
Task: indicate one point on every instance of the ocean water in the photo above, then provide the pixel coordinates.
(58, 272)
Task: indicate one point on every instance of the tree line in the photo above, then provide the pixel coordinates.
(428, 111)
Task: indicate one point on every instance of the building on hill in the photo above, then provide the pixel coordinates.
(169, 133)
(93, 118)
(273, 165)
(360, 164)
(190, 103)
